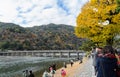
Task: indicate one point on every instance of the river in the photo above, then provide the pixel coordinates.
(14, 66)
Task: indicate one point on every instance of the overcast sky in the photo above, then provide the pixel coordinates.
(28, 13)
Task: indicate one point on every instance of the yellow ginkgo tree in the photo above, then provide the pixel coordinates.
(99, 21)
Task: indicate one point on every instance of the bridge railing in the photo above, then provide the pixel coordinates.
(45, 53)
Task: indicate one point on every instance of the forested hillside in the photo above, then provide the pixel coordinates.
(43, 37)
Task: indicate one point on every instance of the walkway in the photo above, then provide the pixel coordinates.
(79, 70)
(86, 70)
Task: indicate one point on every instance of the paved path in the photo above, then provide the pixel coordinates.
(79, 70)
(86, 70)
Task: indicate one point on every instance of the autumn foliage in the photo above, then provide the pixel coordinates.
(99, 21)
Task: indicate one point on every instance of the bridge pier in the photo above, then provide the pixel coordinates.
(68, 54)
(77, 55)
(53, 55)
(60, 54)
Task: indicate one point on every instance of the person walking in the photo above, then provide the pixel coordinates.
(63, 73)
(31, 74)
(107, 63)
(71, 62)
(64, 65)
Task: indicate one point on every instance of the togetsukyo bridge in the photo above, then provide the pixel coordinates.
(45, 53)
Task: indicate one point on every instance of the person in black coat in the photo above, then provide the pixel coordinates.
(54, 66)
(31, 74)
(107, 63)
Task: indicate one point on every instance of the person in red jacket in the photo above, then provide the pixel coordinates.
(63, 73)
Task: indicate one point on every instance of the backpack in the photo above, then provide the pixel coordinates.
(53, 71)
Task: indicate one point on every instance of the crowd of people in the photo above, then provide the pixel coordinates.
(27, 73)
(52, 71)
(106, 62)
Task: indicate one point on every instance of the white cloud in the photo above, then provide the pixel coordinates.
(37, 12)
(7, 11)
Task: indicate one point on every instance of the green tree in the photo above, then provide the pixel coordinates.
(87, 45)
(99, 21)
(118, 6)
(27, 45)
(4, 45)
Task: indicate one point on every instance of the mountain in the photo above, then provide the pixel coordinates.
(11, 27)
(15, 37)
(43, 37)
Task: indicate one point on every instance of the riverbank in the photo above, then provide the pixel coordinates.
(71, 71)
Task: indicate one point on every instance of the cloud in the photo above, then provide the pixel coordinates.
(7, 11)
(28, 13)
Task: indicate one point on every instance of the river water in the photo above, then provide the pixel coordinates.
(14, 66)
